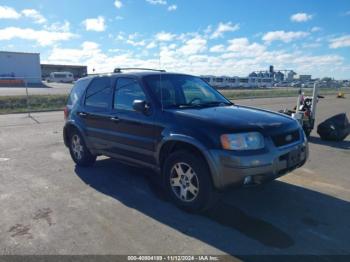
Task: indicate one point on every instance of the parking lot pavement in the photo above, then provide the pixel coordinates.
(49, 206)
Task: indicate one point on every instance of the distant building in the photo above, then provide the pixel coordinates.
(290, 76)
(252, 81)
(279, 77)
(304, 78)
(77, 70)
(261, 79)
(19, 66)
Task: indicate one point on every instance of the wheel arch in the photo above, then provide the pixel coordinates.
(176, 143)
(68, 128)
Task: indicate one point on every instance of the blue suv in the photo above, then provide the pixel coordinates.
(197, 141)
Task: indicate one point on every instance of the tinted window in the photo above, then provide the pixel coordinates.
(164, 89)
(193, 90)
(180, 90)
(99, 93)
(127, 90)
(77, 91)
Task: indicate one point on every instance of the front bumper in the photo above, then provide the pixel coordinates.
(231, 168)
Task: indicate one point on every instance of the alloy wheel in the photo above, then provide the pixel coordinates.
(77, 147)
(184, 182)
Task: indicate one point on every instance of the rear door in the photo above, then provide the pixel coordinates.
(96, 112)
(134, 134)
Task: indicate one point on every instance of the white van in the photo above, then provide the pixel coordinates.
(61, 77)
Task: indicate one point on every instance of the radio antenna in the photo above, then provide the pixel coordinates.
(160, 80)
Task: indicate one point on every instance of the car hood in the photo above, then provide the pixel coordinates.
(238, 118)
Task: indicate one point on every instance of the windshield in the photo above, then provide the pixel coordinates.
(184, 91)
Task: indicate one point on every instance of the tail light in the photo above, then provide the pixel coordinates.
(65, 112)
(307, 113)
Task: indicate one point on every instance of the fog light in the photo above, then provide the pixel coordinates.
(247, 180)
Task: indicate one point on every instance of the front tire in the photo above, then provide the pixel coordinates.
(78, 150)
(187, 181)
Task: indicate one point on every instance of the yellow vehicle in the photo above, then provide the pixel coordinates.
(340, 95)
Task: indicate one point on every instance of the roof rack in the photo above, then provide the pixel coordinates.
(119, 70)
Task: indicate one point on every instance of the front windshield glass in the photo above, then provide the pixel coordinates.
(184, 91)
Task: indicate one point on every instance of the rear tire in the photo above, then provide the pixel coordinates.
(187, 181)
(78, 150)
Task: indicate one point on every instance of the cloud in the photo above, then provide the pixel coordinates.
(88, 50)
(120, 36)
(223, 28)
(316, 29)
(172, 7)
(42, 37)
(90, 53)
(164, 37)
(307, 61)
(239, 60)
(311, 45)
(283, 36)
(151, 45)
(7, 12)
(136, 43)
(347, 13)
(132, 39)
(58, 26)
(37, 17)
(339, 42)
(301, 17)
(189, 53)
(95, 24)
(194, 46)
(241, 47)
(217, 49)
(118, 4)
(157, 2)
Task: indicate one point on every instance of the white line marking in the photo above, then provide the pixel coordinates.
(2, 159)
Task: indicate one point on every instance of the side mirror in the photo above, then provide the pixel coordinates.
(140, 106)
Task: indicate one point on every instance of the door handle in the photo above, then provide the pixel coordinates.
(82, 114)
(115, 119)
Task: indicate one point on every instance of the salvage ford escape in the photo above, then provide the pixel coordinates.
(192, 136)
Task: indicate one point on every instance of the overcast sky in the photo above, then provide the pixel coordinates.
(221, 37)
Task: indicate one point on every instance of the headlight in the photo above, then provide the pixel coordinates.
(242, 141)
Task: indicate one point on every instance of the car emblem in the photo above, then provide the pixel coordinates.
(289, 138)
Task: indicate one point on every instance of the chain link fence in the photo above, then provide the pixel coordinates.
(28, 94)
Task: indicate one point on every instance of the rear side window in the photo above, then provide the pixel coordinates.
(77, 91)
(127, 90)
(99, 93)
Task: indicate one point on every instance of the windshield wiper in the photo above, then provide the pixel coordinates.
(207, 104)
(216, 103)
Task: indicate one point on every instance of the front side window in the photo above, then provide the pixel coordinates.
(127, 91)
(99, 93)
